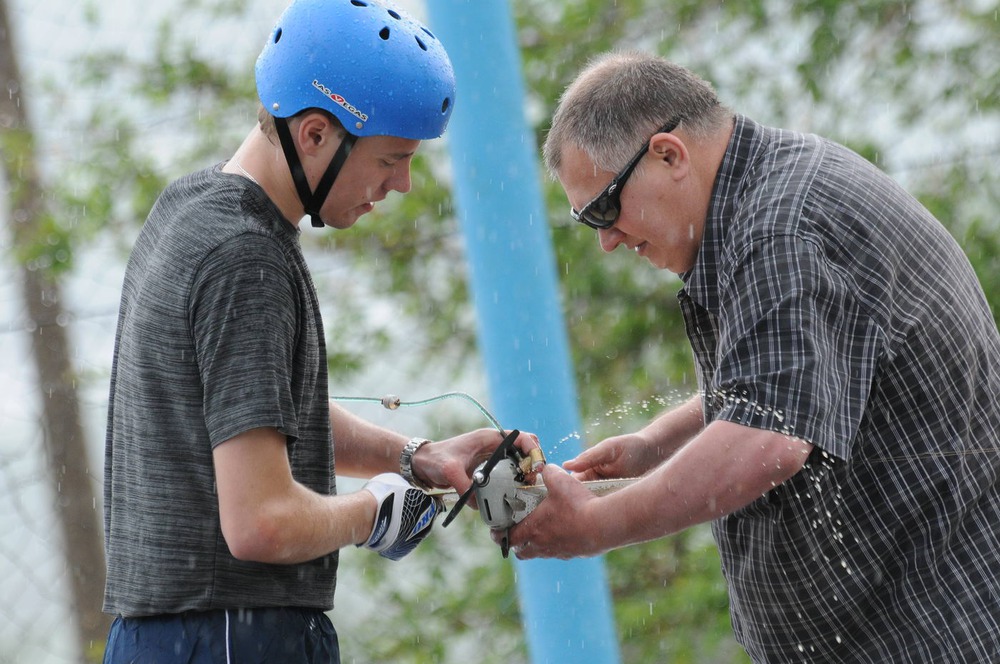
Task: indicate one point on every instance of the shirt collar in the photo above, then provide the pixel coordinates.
(744, 146)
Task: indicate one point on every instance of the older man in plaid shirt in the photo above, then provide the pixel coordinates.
(844, 442)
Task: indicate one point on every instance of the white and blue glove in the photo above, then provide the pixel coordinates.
(403, 518)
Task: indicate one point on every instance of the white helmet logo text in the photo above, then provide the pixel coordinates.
(350, 108)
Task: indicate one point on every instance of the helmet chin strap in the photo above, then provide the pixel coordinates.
(312, 201)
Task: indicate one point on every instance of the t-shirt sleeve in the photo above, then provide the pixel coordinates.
(797, 354)
(243, 315)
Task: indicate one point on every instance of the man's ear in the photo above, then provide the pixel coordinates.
(315, 130)
(672, 153)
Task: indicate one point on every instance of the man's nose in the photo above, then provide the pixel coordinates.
(400, 180)
(609, 238)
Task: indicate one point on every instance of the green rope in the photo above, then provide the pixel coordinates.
(392, 402)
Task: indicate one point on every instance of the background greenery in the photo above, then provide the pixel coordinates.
(912, 85)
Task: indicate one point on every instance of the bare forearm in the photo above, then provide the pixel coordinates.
(364, 449)
(722, 470)
(304, 526)
(671, 431)
(677, 426)
(267, 516)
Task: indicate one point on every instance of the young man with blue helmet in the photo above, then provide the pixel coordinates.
(222, 522)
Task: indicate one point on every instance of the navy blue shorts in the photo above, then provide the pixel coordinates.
(234, 636)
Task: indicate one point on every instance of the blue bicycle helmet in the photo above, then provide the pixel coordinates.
(375, 68)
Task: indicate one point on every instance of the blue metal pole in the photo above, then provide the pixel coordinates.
(566, 605)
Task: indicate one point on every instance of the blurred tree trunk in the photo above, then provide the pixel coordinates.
(65, 447)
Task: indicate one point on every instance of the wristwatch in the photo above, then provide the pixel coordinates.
(406, 461)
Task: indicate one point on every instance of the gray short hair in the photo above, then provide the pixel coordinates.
(623, 96)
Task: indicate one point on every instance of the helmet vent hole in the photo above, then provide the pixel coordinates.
(359, 3)
(395, 15)
(384, 34)
(445, 104)
(420, 43)
(277, 35)
(429, 33)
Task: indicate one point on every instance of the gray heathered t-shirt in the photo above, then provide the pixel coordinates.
(219, 332)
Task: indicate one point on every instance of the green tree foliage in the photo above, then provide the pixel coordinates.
(911, 85)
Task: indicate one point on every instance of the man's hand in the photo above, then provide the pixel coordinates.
(628, 455)
(403, 518)
(562, 526)
(450, 463)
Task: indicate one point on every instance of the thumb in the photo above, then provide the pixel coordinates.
(555, 478)
(552, 470)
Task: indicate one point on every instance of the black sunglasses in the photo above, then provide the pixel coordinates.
(603, 210)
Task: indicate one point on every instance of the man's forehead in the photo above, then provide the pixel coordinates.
(578, 165)
(394, 146)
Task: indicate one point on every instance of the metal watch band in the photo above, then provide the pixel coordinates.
(406, 461)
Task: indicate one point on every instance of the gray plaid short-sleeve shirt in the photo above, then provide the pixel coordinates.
(828, 304)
